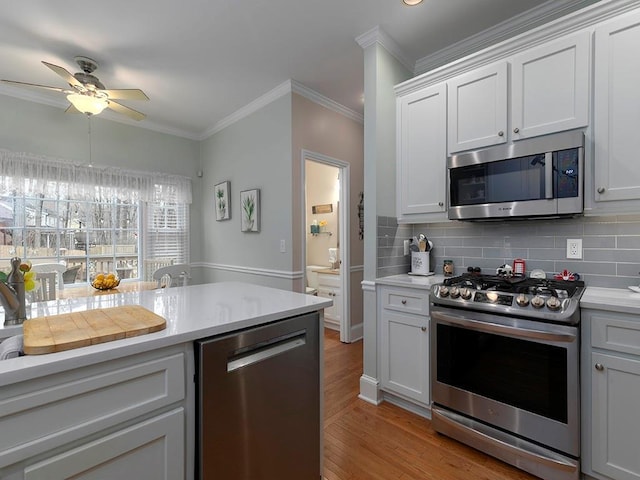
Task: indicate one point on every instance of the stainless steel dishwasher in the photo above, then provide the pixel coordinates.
(258, 402)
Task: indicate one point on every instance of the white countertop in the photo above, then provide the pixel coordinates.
(414, 281)
(611, 299)
(192, 312)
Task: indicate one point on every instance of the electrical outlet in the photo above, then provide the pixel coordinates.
(574, 248)
(406, 247)
(283, 246)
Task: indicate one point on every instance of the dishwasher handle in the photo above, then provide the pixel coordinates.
(261, 352)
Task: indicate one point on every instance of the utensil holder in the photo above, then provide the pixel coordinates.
(420, 263)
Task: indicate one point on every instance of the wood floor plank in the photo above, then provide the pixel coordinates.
(385, 442)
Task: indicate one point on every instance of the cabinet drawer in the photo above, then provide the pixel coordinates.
(405, 300)
(329, 280)
(59, 409)
(134, 449)
(618, 332)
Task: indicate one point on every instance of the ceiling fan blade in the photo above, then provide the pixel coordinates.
(126, 94)
(130, 112)
(32, 85)
(70, 79)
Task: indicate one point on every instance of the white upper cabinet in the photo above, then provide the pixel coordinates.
(477, 108)
(422, 155)
(550, 87)
(617, 110)
(546, 91)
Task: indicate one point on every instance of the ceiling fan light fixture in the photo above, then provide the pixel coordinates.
(87, 103)
(411, 3)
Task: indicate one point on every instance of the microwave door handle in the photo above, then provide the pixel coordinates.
(548, 175)
(518, 332)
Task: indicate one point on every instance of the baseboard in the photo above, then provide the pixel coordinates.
(407, 405)
(369, 391)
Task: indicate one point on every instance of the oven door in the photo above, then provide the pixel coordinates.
(518, 375)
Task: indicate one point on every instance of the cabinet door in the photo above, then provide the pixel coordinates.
(550, 87)
(477, 108)
(422, 155)
(615, 391)
(330, 313)
(405, 355)
(151, 450)
(617, 109)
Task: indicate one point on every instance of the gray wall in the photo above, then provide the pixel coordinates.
(254, 152)
(44, 130)
(611, 246)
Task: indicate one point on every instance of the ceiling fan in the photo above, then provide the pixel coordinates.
(87, 94)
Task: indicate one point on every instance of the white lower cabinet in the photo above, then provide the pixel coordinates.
(611, 364)
(404, 343)
(140, 452)
(329, 287)
(124, 418)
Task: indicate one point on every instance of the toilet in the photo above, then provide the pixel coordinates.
(312, 279)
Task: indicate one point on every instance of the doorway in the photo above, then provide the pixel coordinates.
(325, 246)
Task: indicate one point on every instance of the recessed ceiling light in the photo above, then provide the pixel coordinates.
(411, 3)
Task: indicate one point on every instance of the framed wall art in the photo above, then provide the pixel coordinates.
(223, 200)
(250, 210)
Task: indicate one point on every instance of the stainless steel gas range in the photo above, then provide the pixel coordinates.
(505, 369)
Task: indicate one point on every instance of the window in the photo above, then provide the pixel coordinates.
(166, 232)
(95, 220)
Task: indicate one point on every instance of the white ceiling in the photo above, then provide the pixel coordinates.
(201, 60)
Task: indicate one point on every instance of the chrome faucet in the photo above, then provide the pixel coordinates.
(12, 295)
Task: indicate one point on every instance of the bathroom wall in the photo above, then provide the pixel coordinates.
(611, 246)
(320, 188)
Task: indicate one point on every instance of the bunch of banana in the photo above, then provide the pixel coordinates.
(105, 281)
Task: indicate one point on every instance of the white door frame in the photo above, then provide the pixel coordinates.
(344, 223)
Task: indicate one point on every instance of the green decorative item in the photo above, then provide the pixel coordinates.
(250, 203)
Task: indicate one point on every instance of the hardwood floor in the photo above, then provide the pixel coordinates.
(368, 442)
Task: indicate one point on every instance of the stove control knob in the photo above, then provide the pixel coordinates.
(465, 293)
(444, 292)
(455, 292)
(553, 303)
(522, 300)
(537, 301)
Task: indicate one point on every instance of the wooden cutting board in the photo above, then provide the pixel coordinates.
(56, 333)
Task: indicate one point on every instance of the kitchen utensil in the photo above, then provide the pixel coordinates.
(57, 333)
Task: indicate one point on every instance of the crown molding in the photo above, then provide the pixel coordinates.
(288, 86)
(254, 106)
(379, 36)
(578, 20)
(43, 99)
(509, 28)
(300, 89)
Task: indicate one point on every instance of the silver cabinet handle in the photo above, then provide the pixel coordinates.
(599, 367)
(516, 130)
(404, 302)
(424, 329)
(501, 133)
(600, 189)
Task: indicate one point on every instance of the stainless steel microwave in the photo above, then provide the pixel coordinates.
(538, 177)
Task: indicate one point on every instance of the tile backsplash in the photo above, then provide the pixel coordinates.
(610, 255)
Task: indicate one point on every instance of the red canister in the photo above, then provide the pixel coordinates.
(519, 266)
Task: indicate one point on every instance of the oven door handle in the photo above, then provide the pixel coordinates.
(517, 332)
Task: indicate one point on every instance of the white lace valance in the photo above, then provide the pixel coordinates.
(29, 174)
